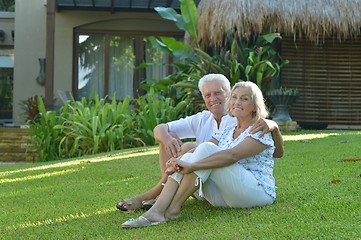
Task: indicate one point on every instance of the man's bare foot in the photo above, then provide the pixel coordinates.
(169, 170)
(131, 204)
(149, 202)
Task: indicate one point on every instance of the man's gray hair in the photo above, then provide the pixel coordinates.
(215, 77)
(256, 97)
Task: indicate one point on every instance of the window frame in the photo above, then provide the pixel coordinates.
(139, 55)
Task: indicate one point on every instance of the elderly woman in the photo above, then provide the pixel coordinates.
(234, 169)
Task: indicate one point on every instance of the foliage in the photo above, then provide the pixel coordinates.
(99, 125)
(284, 90)
(95, 126)
(75, 198)
(152, 111)
(237, 59)
(30, 106)
(7, 5)
(44, 137)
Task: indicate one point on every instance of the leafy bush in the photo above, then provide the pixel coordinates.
(238, 59)
(44, 137)
(95, 126)
(153, 111)
(99, 125)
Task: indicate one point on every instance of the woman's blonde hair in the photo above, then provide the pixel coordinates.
(256, 97)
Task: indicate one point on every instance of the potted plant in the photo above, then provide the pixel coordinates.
(282, 99)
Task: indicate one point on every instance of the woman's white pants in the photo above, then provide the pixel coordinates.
(231, 186)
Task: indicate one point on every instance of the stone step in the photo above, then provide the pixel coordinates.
(14, 130)
(13, 134)
(13, 147)
(13, 140)
(13, 144)
(16, 157)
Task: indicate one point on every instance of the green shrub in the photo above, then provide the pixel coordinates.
(153, 111)
(253, 59)
(44, 137)
(95, 126)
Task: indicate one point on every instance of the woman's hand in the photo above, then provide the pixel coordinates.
(180, 166)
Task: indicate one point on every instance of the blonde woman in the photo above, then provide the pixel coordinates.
(234, 169)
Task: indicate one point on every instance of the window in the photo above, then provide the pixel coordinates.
(6, 83)
(105, 63)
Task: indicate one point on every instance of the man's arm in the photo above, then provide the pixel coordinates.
(266, 125)
(171, 143)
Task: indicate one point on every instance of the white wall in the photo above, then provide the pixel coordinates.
(30, 43)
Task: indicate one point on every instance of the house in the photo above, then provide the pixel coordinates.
(80, 46)
(322, 41)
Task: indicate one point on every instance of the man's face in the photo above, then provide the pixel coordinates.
(215, 97)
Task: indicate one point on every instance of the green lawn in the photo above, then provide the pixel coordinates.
(317, 196)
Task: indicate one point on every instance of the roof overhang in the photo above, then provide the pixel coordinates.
(116, 5)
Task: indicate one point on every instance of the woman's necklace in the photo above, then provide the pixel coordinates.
(238, 131)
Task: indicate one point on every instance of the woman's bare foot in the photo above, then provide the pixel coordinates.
(172, 215)
(154, 217)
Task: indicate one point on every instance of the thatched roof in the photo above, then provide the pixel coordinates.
(313, 19)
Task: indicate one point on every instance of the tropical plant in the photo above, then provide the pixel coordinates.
(31, 108)
(284, 90)
(95, 126)
(237, 59)
(152, 111)
(44, 137)
(99, 125)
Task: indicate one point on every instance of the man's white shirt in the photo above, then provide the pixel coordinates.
(200, 126)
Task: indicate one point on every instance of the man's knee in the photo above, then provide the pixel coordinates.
(186, 147)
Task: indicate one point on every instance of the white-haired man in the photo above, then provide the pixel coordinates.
(215, 89)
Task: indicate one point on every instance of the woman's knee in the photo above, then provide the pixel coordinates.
(207, 148)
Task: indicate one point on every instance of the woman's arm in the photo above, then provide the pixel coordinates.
(244, 149)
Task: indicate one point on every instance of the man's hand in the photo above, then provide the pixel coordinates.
(169, 167)
(264, 125)
(173, 147)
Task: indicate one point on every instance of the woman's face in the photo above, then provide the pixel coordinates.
(241, 104)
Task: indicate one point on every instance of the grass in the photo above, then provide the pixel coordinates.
(75, 198)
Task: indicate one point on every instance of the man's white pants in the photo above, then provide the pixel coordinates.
(231, 186)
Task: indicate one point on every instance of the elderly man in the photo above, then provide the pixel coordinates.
(201, 126)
